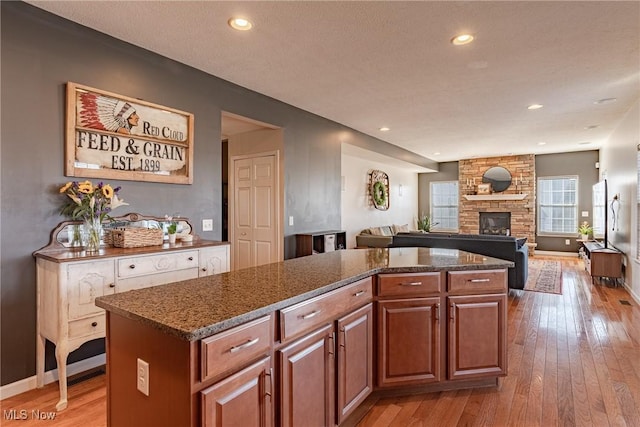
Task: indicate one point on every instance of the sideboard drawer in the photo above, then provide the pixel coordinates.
(309, 314)
(477, 281)
(409, 284)
(171, 261)
(89, 326)
(235, 347)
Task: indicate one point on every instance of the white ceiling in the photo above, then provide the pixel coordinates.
(373, 64)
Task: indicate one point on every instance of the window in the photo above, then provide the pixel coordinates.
(444, 205)
(558, 205)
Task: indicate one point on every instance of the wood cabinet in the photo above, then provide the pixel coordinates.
(354, 360)
(409, 341)
(416, 345)
(602, 262)
(311, 363)
(477, 336)
(320, 241)
(68, 284)
(243, 399)
(307, 390)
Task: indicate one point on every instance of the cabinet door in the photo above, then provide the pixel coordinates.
(409, 341)
(355, 360)
(477, 336)
(243, 399)
(214, 260)
(86, 281)
(307, 387)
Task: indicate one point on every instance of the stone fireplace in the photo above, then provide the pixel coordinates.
(495, 223)
(519, 202)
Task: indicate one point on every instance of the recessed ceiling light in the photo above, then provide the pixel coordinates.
(542, 143)
(584, 142)
(384, 129)
(591, 127)
(241, 24)
(462, 39)
(535, 106)
(605, 101)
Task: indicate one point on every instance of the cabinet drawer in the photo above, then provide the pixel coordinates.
(477, 281)
(231, 349)
(309, 314)
(89, 326)
(139, 282)
(138, 266)
(409, 284)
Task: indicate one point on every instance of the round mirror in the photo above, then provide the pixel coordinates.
(498, 177)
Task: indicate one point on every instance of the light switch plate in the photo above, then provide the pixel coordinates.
(207, 225)
(585, 214)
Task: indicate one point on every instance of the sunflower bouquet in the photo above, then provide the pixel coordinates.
(90, 202)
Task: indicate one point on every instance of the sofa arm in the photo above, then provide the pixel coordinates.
(371, 241)
(522, 267)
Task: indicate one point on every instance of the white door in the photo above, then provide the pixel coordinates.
(255, 201)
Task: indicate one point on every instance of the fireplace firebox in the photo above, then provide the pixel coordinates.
(495, 223)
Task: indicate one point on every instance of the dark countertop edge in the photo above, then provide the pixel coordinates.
(112, 252)
(223, 325)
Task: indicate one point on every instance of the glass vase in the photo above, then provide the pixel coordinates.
(92, 234)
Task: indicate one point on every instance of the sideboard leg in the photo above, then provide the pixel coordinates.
(61, 357)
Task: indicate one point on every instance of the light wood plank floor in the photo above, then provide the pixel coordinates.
(574, 360)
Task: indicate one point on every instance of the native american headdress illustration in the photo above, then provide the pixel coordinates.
(104, 113)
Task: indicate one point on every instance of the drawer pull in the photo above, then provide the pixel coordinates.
(132, 266)
(310, 315)
(112, 285)
(204, 268)
(479, 280)
(411, 284)
(357, 294)
(190, 258)
(94, 324)
(249, 343)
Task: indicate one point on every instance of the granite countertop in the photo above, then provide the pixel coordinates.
(70, 254)
(197, 308)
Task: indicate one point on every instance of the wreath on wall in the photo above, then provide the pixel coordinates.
(379, 189)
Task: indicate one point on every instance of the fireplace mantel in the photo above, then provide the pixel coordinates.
(495, 196)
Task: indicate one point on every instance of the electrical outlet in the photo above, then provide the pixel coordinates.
(567, 242)
(142, 377)
(207, 225)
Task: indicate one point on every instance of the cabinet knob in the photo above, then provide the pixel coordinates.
(132, 266)
(204, 268)
(94, 324)
(190, 258)
(112, 285)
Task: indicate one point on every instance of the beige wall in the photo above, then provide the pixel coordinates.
(357, 213)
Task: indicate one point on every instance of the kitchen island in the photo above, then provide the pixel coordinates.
(296, 342)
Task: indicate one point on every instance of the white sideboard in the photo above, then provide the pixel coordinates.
(68, 281)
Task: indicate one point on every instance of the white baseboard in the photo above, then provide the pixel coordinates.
(556, 253)
(27, 384)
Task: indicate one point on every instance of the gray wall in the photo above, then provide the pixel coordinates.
(40, 53)
(448, 172)
(579, 163)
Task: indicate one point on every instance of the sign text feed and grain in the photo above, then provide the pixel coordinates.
(113, 136)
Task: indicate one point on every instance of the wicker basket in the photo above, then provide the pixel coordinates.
(135, 237)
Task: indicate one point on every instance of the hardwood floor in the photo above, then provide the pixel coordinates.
(574, 360)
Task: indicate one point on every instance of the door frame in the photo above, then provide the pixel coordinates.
(278, 202)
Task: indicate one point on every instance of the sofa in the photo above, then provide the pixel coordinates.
(379, 237)
(504, 247)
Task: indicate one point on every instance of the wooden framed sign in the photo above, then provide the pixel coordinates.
(117, 137)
